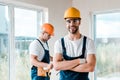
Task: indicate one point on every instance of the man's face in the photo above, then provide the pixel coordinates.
(46, 36)
(72, 25)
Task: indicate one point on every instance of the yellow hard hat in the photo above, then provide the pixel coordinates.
(47, 27)
(72, 13)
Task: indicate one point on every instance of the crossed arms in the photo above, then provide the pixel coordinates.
(74, 65)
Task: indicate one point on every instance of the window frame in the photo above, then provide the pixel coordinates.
(11, 30)
(93, 29)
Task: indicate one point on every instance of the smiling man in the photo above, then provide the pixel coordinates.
(74, 54)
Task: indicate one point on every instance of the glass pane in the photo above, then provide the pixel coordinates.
(4, 43)
(108, 46)
(25, 32)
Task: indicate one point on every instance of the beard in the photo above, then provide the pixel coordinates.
(73, 29)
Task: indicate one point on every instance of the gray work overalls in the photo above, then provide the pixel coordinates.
(45, 59)
(71, 75)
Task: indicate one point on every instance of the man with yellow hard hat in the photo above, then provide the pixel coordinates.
(39, 54)
(74, 54)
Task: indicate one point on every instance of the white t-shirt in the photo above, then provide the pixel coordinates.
(36, 48)
(74, 48)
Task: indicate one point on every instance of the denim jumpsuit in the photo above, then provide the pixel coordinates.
(45, 59)
(71, 75)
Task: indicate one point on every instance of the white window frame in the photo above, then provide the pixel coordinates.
(11, 51)
(93, 29)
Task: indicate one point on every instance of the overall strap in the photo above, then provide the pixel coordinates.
(40, 43)
(47, 45)
(84, 46)
(46, 53)
(63, 45)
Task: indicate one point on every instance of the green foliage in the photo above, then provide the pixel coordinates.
(22, 67)
(3, 68)
(108, 58)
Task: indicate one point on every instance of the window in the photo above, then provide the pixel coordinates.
(25, 32)
(17, 30)
(4, 43)
(107, 36)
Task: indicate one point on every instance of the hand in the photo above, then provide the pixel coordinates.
(49, 66)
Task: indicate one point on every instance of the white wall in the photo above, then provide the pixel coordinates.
(56, 10)
(87, 7)
(57, 7)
